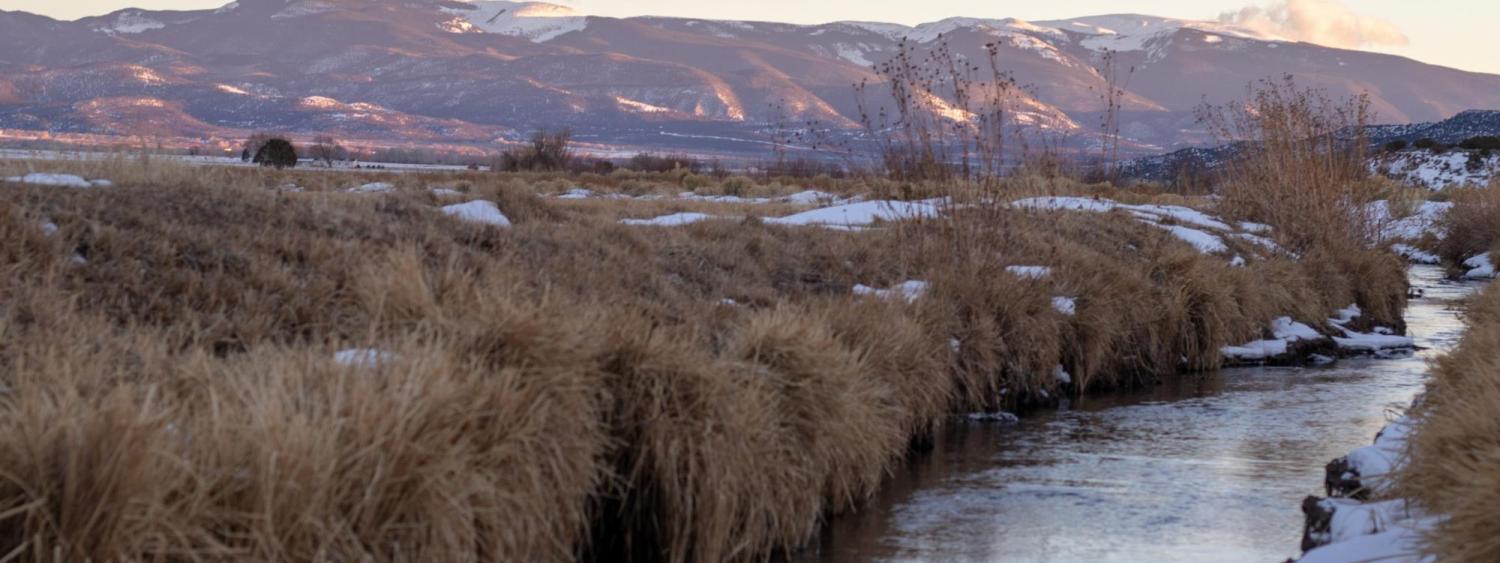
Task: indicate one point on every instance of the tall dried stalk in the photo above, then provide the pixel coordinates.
(1300, 164)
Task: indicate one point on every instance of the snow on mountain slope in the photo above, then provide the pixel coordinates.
(131, 22)
(1132, 32)
(537, 21)
(1439, 171)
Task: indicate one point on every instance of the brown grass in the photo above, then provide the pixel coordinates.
(1471, 224)
(1300, 163)
(568, 388)
(1454, 450)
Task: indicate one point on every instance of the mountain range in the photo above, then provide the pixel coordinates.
(479, 73)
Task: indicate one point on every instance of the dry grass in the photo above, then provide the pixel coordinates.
(1301, 163)
(1455, 449)
(568, 388)
(1471, 224)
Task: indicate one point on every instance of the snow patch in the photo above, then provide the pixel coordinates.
(1284, 332)
(910, 291)
(483, 212)
(131, 22)
(373, 188)
(1065, 305)
(862, 214)
(537, 21)
(1030, 272)
(673, 220)
(58, 180)
(363, 357)
(1480, 267)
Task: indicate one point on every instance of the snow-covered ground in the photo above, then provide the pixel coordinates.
(1438, 171)
(60, 180)
(1201, 230)
(807, 197)
(478, 211)
(1422, 220)
(673, 220)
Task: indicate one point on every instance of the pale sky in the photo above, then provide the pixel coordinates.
(1454, 33)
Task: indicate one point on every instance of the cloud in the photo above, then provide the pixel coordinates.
(1325, 22)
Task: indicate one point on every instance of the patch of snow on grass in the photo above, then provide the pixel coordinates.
(1062, 375)
(1065, 305)
(1204, 242)
(862, 214)
(1067, 204)
(363, 357)
(58, 180)
(373, 188)
(809, 197)
(673, 220)
(1480, 267)
(1029, 272)
(484, 212)
(910, 291)
(1424, 219)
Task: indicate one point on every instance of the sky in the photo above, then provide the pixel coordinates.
(1446, 32)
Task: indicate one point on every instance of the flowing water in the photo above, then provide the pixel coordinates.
(1205, 468)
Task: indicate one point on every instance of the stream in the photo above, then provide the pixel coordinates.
(1201, 468)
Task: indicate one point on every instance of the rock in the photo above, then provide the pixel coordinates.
(1341, 480)
(1318, 517)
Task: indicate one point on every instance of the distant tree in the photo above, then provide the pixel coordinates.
(1425, 143)
(277, 152)
(1476, 161)
(547, 152)
(1397, 145)
(1483, 142)
(326, 149)
(245, 155)
(254, 142)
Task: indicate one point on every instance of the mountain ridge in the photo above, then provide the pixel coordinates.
(489, 71)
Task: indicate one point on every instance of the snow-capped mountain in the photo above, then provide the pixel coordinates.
(470, 72)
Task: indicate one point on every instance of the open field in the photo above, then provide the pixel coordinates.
(240, 364)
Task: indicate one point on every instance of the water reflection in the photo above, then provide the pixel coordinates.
(1208, 468)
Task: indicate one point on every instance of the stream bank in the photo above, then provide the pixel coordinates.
(1198, 468)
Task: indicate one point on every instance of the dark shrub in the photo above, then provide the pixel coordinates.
(277, 152)
(1484, 142)
(548, 152)
(1397, 145)
(1425, 143)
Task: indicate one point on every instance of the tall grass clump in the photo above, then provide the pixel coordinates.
(1300, 163)
(1472, 224)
